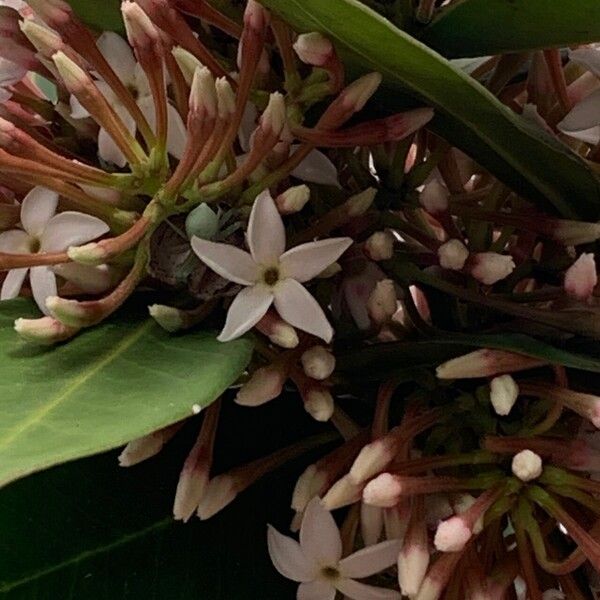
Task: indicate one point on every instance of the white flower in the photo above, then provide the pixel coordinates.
(272, 275)
(317, 564)
(120, 57)
(44, 231)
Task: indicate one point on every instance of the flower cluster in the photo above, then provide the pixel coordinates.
(364, 254)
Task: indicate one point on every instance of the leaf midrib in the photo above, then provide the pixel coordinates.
(36, 416)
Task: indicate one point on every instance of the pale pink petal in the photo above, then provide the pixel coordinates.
(266, 233)
(71, 228)
(296, 306)
(38, 207)
(583, 122)
(15, 241)
(316, 168)
(10, 72)
(119, 56)
(288, 558)
(141, 83)
(360, 591)
(12, 283)
(78, 111)
(43, 285)
(306, 261)
(319, 535)
(316, 590)
(588, 58)
(228, 261)
(176, 133)
(107, 149)
(371, 560)
(91, 280)
(247, 126)
(248, 308)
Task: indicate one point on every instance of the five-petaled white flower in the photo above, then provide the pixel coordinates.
(317, 564)
(120, 57)
(272, 275)
(44, 231)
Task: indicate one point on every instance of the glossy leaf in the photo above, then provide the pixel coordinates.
(104, 15)
(517, 151)
(112, 383)
(484, 27)
(92, 530)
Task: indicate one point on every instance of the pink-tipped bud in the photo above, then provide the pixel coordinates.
(453, 255)
(313, 49)
(318, 362)
(374, 458)
(380, 246)
(45, 331)
(203, 94)
(581, 277)
(140, 30)
(486, 363)
(319, 403)
(278, 331)
(187, 62)
(225, 98)
(491, 267)
(51, 11)
(265, 384)
(385, 491)
(574, 233)
(413, 559)
(307, 487)
(293, 200)
(504, 392)
(73, 76)
(169, 318)
(45, 41)
(358, 93)
(220, 492)
(255, 16)
(147, 446)
(527, 465)
(273, 120)
(342, 493)
(434, 198)
(452, 535)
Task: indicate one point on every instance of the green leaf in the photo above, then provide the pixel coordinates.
(111, 384)
(92, 530)
(518, 152)
(483, 27)
(103, 15)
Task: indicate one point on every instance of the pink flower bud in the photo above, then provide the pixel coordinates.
(313, 49)
(491, 267)
(357, 94)
(434, 198)
(255, 16)
(278, 331)
(318, 362)
(342, 493)
(504, 392)
(44, 331)
(220, 492)
(581, 277)
(265, 384)
(385, 491)
(383, 303)
(371, 523)
(307, 487)
(485, 363)
(380, 246)
(453, 255)
(413, 559)
(527, 465)
(375, 457)
(138, 26)
(293, 200)
(147, 446)
(452, 535)
(45, 41)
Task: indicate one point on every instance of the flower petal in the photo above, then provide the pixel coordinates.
(91, 280)
(360, 591)
(12, 283)
(107, 148)
(37, 208)
(288, 558)
(589, 58)
(319, 535)
(316, 590)
(371, 560)
(583, 122)
(247, 126)
(248, 308)
(296, 306)
(15, 241)
(119, 56)
(228, 261)
(266, 233)
(78, 111)
(71, 228)
(316, 168)
(176, 132)
(43, 285)
(306, 261)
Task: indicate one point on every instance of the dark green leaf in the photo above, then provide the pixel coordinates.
(111, 384)
(469, 116)
(103, 15)
(484, 27)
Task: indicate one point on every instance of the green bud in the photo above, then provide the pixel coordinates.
(202, 222)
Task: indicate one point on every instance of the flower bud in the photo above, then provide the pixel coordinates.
(413, 559)
(169, 318)
(434, 198)
(318, 362)
(219, 493)
(374, 458)
(225, 98)
(453, 255)
(342, 493)
(45, 331)
(69, 312)
(255, 16)
(91, 254)
(491, 267)
(452, 535)
(203, 95)
(371, 523)
(318, 403)
(187, 62)
(45, 41)
(293, 200)
(385, 491)
(357, 94)
(360, 203)
(147, 446)
(313, 49)
(485, 363)
(574, 233)
(527, 465)
(278, 331)
(581, 277)
(380, 246)
(273, 119)
(73, 76)
(307, 487)
(91, 280)
(138, 26)
(265, 384)
(383, 303)
(504, 392)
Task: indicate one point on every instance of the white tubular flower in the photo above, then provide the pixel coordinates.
(317, 564)
(45, 231)
(120, 57)
(272, 275)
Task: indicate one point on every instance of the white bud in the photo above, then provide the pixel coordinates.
(220, 492)
(527, 465)
(504, 392)
(225, 98)
(357, 94)
(359, 204)
(187, 62)
(318, 362)
(319, 404)
(313, 48)
(342, 493)
(453, 255)
(169, 318)
(491, 267)
(452, 535)
(293, 200)
(434, 198)
(265, 384)
(581, 277)
(45, 331)
(382, 303)
(203, 94)
(380, 246)
(274, 117)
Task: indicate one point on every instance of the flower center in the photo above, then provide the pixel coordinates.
(330, 573)
(34, 245)
(271, 276)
